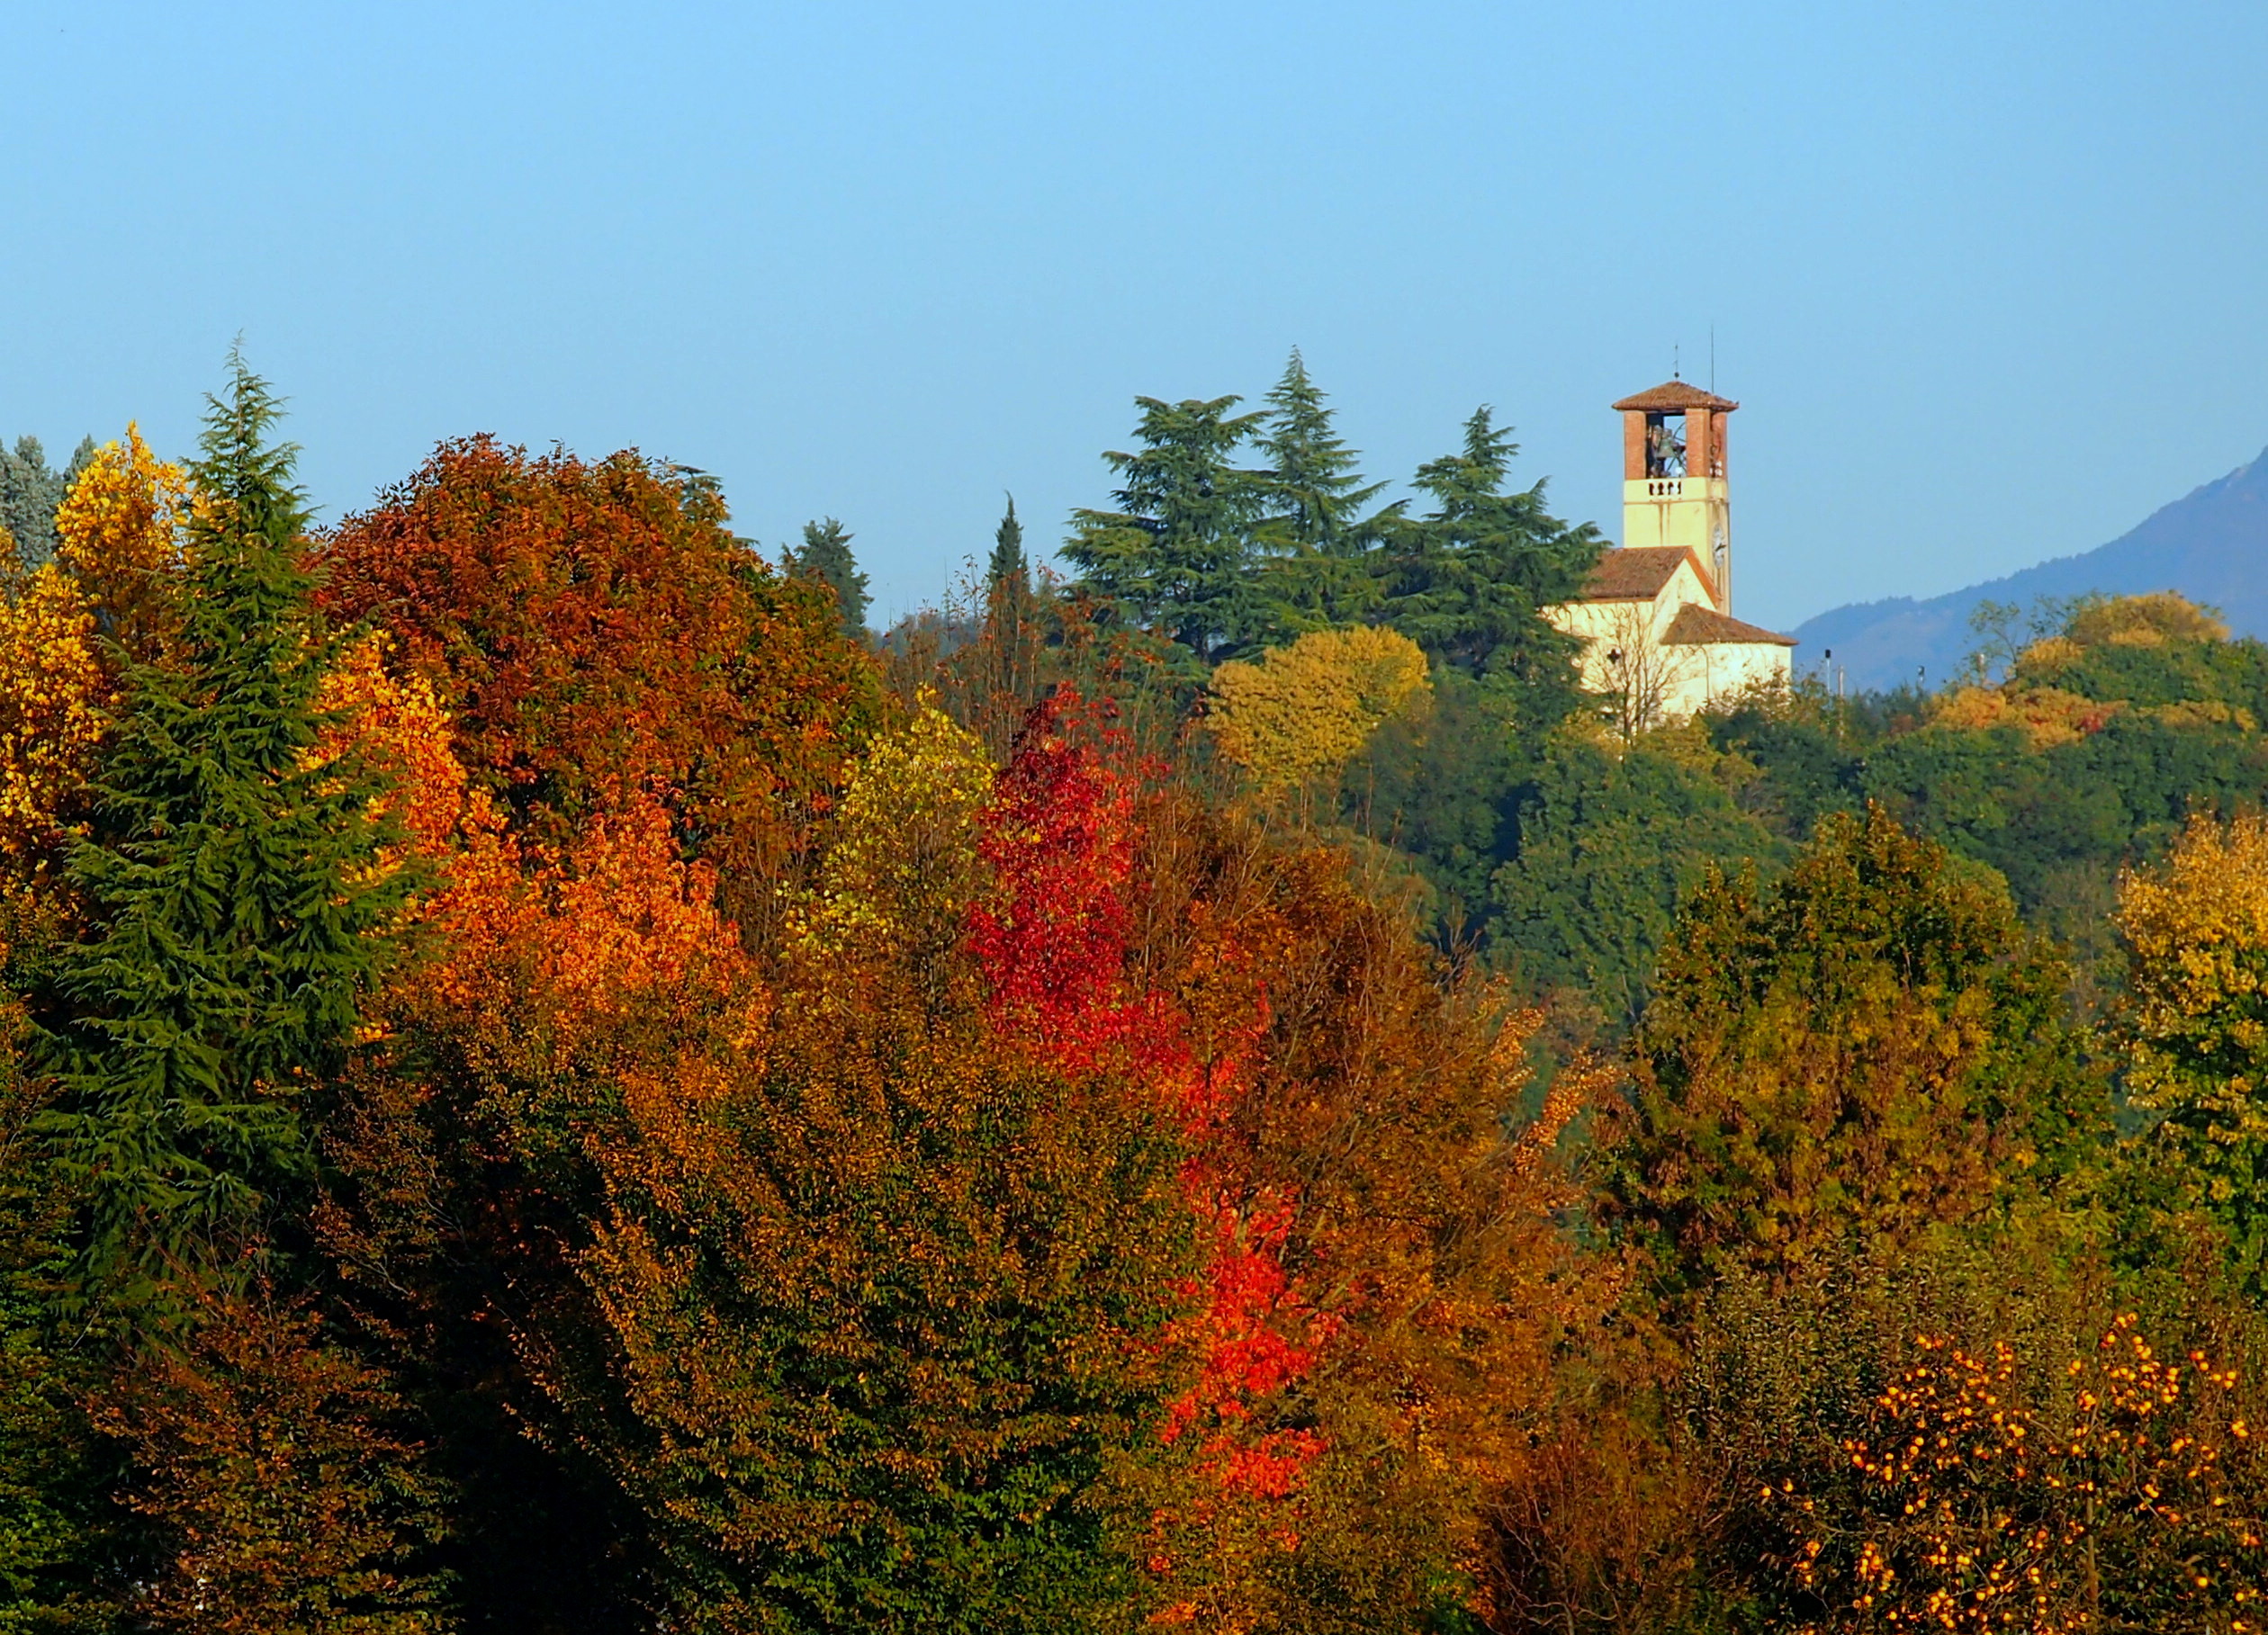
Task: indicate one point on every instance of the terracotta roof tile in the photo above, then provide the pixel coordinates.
(1636, 574)
(1699, 626)
(1675, 395)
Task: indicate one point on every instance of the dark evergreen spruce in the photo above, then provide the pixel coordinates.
(1468, 582)
(1178, 555)
(1318, 537)
(238, 916)
(1320, 495)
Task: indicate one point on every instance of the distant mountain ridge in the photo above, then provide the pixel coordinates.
(2211, 545)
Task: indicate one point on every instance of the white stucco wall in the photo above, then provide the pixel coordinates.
(1607, 625)
(1710, 671)
(1680, 677)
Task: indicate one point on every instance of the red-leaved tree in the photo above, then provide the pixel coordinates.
(1385, 1278)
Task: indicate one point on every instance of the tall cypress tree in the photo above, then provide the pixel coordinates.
(1009, 572)
(240, 904)
(826, 556)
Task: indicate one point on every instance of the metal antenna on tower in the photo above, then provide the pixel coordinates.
(1713, 357)
(1676, 372)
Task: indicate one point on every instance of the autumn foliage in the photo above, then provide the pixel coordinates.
(551, 1086)
(1342, 1308)
(121, 533)
(1302, 711)
(592, 628)
(53, 693)
(1880, 967)
(2198, 1020)
(288, 1494)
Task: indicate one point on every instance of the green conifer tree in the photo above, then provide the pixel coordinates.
(240, 909)
(1319, 494)
(1468, 582)
(28, 494)
(826, 556)
(1178, 554)
(1009, 572)
(1316, 535)
(57, 1522)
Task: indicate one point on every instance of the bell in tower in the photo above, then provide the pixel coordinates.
(1673, 478)
(1665, 445)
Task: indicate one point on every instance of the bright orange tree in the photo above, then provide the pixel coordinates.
(593, 626)
(583, 677)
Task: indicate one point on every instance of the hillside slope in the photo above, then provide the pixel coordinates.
(2211, 545)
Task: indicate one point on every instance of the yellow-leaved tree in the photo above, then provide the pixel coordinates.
(53, 698)
(902, 865)
(119, 534)
(119, 531)
(2197, 1020)
(1301, 713)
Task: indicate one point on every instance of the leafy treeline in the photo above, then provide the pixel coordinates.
(1235, 535)
(555, 1084)
(2122, 719)
(552, 1089)
(1559, 852)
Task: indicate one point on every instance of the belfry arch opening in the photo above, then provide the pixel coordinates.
(1666, 443)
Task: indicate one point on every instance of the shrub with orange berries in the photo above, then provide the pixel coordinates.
(2118, 1493)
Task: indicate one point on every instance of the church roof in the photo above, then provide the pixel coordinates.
(1634, 574)
(1672, 395)
(1699, 626)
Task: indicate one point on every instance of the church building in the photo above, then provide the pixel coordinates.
(1656, 615)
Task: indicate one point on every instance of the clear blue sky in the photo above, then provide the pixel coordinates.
(1990, 280)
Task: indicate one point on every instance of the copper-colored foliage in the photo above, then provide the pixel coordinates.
(288, 1495)
(591, 625)
(1387, 1276)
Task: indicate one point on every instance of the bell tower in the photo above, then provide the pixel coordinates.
(1673, 478)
